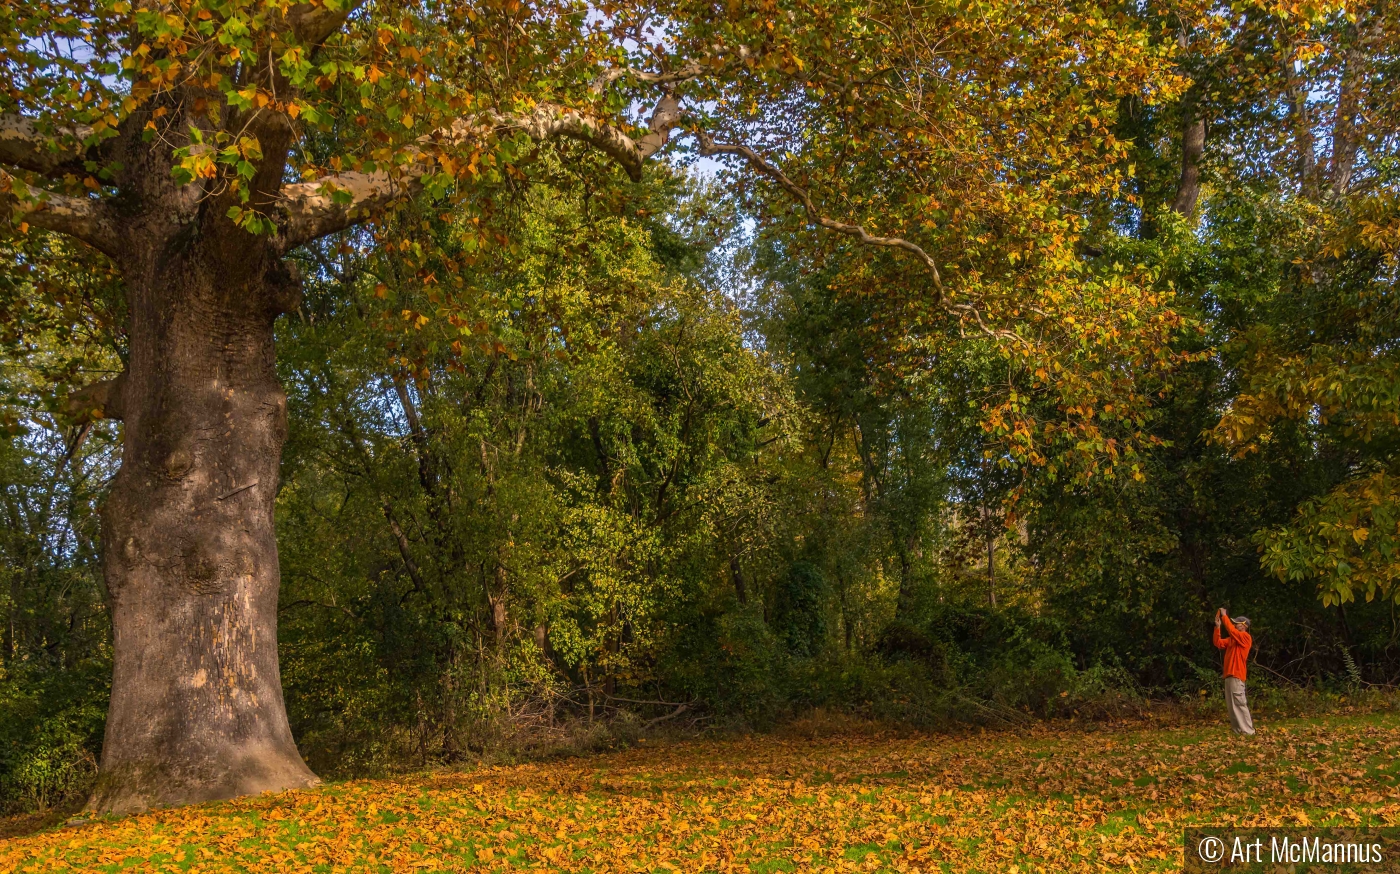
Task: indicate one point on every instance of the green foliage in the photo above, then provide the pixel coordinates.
(1330, 540)
(55, 669)
(557, 459)
(50, 727)
(799, 609)
(733, 662)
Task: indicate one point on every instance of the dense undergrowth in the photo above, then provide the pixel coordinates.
(50, 740)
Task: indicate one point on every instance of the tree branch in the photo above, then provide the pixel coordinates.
(549, 121)
(714, 63)
(691, 70)
(314, 23)
(99, 400)
(82, 218)
(1303, 140)
(401, 540)
(802, 196)
(314, 209)
(23, 145)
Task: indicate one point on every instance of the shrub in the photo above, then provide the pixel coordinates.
(51, 723)
(731, 661)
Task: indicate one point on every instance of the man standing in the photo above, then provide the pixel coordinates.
(1236, 648)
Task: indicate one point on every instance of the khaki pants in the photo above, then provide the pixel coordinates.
(1240, 720)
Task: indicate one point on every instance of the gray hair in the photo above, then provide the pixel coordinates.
(1241, 620)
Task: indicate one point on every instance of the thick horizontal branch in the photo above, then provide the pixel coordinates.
(314, 209)
(24, 145)
(100, 400)
(709, 147)
(549, 121)
(691, 70)
(314, 23)
(82, 218)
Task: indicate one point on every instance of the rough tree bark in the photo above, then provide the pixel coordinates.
(189, 548)
(1193, 144)
(190, 551)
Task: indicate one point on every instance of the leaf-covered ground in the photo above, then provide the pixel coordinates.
(1038, 801)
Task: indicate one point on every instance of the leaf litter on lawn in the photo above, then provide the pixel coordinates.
(1043, 800)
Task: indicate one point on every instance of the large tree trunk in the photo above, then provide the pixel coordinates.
(190, 549)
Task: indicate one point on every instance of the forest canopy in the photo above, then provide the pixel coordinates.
(480, 376)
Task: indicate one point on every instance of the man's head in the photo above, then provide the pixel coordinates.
(1241, 622)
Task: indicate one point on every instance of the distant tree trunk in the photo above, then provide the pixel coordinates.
(846, 630)
(190, 560)
(988, 527)
(1193, 142)
(497, 604)
(905, 601)
(1345, 136)
(843, 591)
(1345, 623)
(991, 572)
(7, 648)
(612, 645)
(1302, 133)
(11, 642)
(450, 749)
(736, 574)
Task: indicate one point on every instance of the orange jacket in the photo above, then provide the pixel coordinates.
(1236, 648)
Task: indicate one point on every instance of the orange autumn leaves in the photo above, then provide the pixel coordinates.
(1042, 801)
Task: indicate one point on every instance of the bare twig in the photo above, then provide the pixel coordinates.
(666, 716)
(709, 147)
(236, 491)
